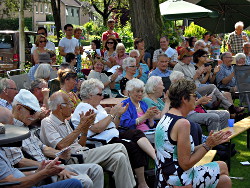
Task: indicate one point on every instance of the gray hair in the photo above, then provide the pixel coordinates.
(161, 55)
(128, 62)
(90, 87)
(36, 84)
(176, 75)
(136, 51)
(134, 84)
(199, 42)
(55, 99)
(246, 43)
(43, 71)
(223, 55)
(152, 82)
(119, 45)
(238, 56)
(240, 23)
(5, 115)
(4, 83)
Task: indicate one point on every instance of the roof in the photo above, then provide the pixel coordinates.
(73, 3)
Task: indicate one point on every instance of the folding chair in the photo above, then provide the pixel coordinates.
(20, 77)
(242, 76)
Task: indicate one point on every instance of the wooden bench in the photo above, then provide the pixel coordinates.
(238, 128)
(207, 158)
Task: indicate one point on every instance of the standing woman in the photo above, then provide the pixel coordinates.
(40, 43)
(175, 151)
(145, 57)
(205, 39)
(68, 80)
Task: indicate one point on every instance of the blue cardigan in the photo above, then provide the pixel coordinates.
(128, 118)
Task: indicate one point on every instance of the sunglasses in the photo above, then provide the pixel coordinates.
(194, 95)
(99, 94)
(110, 42)
(43, 41)
(41, 33)
(31, 111)
(11, 88)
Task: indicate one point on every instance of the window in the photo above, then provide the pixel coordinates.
(77, 13)
(41, 8)
(46, 8)
(37, 5)
(67, 12)
(72, 12)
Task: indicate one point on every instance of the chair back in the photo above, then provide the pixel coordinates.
(20, 77)
(242, 76)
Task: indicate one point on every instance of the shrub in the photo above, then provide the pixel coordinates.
(13, 24)
(194, 30)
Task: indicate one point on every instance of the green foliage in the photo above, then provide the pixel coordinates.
(13, 6)
(13, 24)
(194, 30)
(173, 32)
(126, 35)
(49, 17)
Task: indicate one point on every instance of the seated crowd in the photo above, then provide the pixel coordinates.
(172, 91)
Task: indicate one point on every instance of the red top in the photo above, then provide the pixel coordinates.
(107, 34)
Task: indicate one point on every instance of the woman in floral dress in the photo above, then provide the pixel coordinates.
(175, 151)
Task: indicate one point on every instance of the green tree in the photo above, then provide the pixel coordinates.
(11, 6)
(106, 7)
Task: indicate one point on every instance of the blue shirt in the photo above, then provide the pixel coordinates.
(247, 59)
(32, 72)
(145, 71)
(7, 169)
(225, 71)
(158, 72)
(128, 118)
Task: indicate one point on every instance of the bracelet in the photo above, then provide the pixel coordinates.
(206, 146)
(112, 116)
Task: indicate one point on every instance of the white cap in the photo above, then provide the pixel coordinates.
(26, 98)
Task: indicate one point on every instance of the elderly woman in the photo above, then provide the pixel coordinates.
(129, 65)
(43, 71)
(68, 80)
(240, 59)
(120, 54)
(108, 82)
(154, 90)
(175, 151)
(138, 115)
(40, 43)
(105, 127)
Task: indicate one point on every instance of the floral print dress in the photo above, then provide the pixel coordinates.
(169, 172)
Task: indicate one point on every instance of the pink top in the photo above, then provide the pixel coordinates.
(142, 126)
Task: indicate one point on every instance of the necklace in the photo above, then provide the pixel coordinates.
(137, 108)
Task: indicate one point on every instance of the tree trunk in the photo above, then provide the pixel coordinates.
(146, 21)
(21, 36)
(57, 17)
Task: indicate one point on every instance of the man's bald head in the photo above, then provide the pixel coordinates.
(6, 116)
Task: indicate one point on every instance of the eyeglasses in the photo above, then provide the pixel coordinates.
(41, 33)
(121, 49)
(204, 56)
(12, 88)
(229, 57)
(194, 95)
(99, 94)
(69, 104)
(43, 41)
(69, 30)
(110, 42)
(132, 66)
(31, 111)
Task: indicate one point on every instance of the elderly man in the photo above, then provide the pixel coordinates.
(8, 91)
(57, 133)
(246, 50)
(162, 66)
(172, 54)
(225, 77)
(188, 69)
(47, 169)
(199, 44)
(236, 39)
(25, 105)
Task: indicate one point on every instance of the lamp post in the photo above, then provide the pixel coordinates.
(21, 36)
